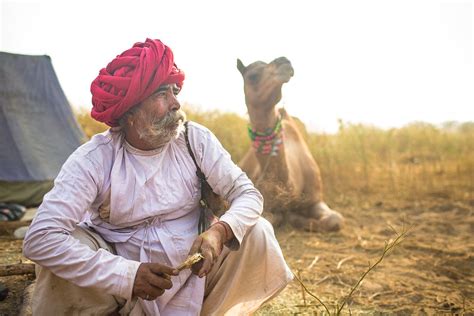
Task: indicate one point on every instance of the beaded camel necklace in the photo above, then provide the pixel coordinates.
(268, 142)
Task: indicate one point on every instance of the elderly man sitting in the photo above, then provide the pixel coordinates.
(124, 210)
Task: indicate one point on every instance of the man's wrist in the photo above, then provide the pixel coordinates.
(224, 229)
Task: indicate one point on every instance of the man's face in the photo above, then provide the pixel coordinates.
(159, 116)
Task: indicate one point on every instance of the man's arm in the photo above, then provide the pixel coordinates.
(229, 181)
(50, 244)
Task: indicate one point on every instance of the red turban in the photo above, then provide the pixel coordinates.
(131, 78)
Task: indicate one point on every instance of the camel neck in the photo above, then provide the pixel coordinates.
(262, 119)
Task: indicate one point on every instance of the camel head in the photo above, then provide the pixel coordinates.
(263, 82)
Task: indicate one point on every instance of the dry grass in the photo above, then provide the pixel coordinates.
(408, 163)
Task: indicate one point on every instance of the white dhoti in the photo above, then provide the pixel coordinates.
(238, 284)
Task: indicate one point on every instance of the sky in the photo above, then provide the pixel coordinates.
(385, 63)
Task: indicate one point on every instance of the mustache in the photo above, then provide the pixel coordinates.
(171, 119)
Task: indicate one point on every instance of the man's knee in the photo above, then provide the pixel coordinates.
(261, 232)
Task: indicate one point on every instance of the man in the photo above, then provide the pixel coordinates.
(135, 192)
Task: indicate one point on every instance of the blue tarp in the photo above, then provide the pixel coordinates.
(38, 130)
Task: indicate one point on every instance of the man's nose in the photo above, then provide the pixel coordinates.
(174, 104)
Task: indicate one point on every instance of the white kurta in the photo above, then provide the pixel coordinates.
(153, 197)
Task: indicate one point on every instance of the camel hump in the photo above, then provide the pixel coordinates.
(297, 123)
(301, 126)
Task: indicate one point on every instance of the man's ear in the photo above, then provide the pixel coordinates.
(129, 120)
(240, 66)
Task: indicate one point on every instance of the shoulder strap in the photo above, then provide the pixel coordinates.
(203, 224)
(199, 173)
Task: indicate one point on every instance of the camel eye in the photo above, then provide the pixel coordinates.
(253, 78)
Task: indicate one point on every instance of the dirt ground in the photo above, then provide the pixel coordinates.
(431, 272)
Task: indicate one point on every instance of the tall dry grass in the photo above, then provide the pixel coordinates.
(411, 162)
(407, 163)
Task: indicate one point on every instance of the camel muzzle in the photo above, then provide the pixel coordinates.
(284, 68)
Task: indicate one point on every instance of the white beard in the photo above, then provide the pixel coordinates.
(157, 132)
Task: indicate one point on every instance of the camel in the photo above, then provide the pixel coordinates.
(279, 161)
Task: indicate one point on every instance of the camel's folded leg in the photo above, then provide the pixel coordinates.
(319, 218)
(276, 219)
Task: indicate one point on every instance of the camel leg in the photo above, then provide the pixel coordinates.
(328, 220)
(299, 221)
(276, 219)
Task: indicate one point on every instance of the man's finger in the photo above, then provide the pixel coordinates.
(160, 292)
(206, 266)
(160, 282)
(196, 245)
(197, 267)
(208, 259)
(214, 255)
(152, 293)
(160, 269)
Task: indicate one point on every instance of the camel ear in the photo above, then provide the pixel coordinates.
(240, 66)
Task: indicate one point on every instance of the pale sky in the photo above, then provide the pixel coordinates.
(385, 63)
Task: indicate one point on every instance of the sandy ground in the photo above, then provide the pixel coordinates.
(431, 272)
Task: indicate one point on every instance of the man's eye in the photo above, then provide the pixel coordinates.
(176, 91)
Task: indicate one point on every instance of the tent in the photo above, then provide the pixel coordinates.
(38, 130)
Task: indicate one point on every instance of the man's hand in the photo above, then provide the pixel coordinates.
(152, 279)
(209, 244)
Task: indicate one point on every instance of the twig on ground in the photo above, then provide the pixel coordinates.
(322, 280)
(379, 294)
(317, 298)
(315, 260)
(17, 269)
(302, 289)
(306, 306)
(389, 246)
(342, 282)
(290, 235)
(7, 228)
(340, 263)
